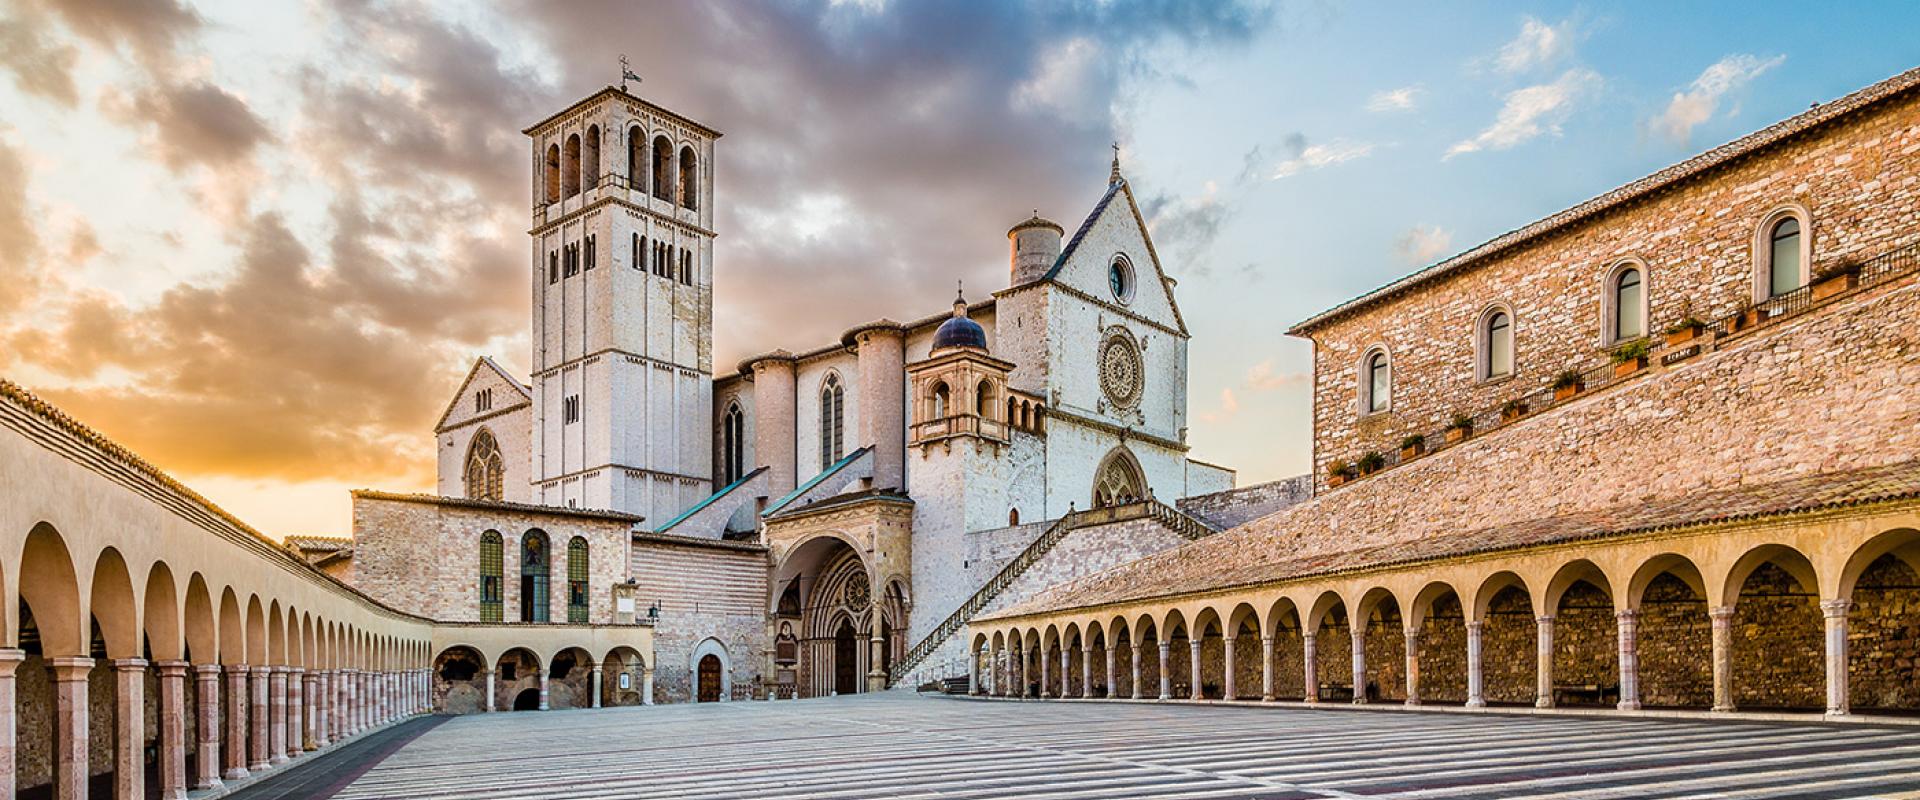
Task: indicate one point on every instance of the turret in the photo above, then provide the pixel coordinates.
(1035, 245)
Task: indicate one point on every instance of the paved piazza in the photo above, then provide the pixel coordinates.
(897, 745)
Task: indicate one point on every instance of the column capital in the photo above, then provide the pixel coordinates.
(240, 669)
(1546, 619)
(1627, 615)
(129, 664)
(262, 671)
(1266, 641)
(1308, 636)
(1412, 634)
(70, 668)
(167, 666)
(206, 669)
(1836, 607)
(1476, 625)
(1721, 613)
(10, 658)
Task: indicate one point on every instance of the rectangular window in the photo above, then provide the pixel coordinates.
(639, 245)
(591, 249)
(553, 267)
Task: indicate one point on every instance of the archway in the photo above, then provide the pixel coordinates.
(1385, 645)
(826, 593)
(570, 679)
(459, 682)
(846, 653)
(1333, 651)
(1674, 634)
(709, 679)
(1882, 581)
(1586, 651)
(1441, 644)
(713, 671)
(1118, 480)
(623, 674)
(527, 700)
(1289, 670)
(516, 673)
(1778, 645)
(1509, 643)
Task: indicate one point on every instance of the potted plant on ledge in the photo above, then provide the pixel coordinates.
(1512, 410)
(1686, 330)
(1459, 429)
(1843, 276)
(1630, 358)
(1567, 384)
(1412, 447)
(1339, 472)
(1372, 462)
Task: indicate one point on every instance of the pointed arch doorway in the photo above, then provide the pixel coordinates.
(846, 659)
(709, 678)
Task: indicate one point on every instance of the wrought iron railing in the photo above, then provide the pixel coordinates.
(1846, 279)
(1173, 518)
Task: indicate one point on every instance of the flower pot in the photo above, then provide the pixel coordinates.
(1562, 394)
(1458, 435)
(1336, 480)
(1629, 366)
(1834, 284)
(1682, 336)
(1511, 414)
(1411, 453)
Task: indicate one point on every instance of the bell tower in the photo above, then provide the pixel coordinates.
(622, 279)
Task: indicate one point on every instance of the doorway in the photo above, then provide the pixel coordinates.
(846, 653)
(709, 679)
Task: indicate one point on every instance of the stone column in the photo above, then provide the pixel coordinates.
(1476, 679)
(337, 705)
(70, 742)
(1106, 662)
(238, 704)
(1413, 667)
(276, 715)
(1193, 667)
(129, 727)
(206, 757)
(316, 695)
(1086, 674)
(1626, 626)
(1722, 617)
(543, 690)
(1266, 669)
(260, 720)
(349, 700)
(1166, 669)
(1836, 613)
(1065, 681)
(491, 705)
(1359, 636)
(1134, 656)
(1230, 685)
(596, 677)
(1310, 678)
(1046, 677)
(10, 658)
(172, 728)
(1543, 651)
(646, 686)
(296, 712)
(1020, 675)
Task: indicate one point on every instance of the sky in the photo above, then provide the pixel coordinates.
(260, 243)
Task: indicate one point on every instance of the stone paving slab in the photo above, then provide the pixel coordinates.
(899, 745)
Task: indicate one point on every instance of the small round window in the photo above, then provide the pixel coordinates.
(1120, 279)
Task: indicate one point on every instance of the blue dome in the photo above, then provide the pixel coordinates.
(960, 332)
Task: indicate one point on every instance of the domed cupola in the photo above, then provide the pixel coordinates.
(960, 331)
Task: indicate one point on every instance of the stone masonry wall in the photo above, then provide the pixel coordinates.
(1229, 508)
(704, 593)
(1859, 179)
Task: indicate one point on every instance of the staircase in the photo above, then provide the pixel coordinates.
(1172, 518)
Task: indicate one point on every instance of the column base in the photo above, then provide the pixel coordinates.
(1413, 701)
(1543, 702)
(1721, 709)
(1628, 705)
(278, 759)
(1838, 712)
(235, 774)
(1476, 703)
(210, 785)
(1266, 698)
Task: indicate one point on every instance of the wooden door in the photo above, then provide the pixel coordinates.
(710, 679)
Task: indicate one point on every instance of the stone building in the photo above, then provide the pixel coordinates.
(1655, 450)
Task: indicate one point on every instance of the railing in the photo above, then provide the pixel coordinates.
(959, 425)
(1173, 518)
(1827, 286)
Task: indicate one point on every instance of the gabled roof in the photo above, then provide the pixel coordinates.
(526, 392)
(830, 471)
(1119, 189)
(1812, 119)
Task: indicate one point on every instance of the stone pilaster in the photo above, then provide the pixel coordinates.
(492, 704)
(1627, 628)
(646, 686)
(1476, 676)
(1722, 617)
(10, 658)
(172, 728)
(543, 690)
(1836, 614)
(1543, 652)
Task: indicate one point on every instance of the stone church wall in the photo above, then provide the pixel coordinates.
(1859, 179)
(704, 590)
(1232, 507)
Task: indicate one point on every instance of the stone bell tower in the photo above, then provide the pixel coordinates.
(622, 278)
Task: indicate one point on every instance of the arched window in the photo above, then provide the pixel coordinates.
(1118, 481)
(1629, 296)
(662, 168)
(486, 469)
(577, 581)
(636, 159)
(1784, 267)
(983, 399)
(553, 173)
(570, 176)
(1376, 382)
(591, 171)
(535, 563)
(689, 187)
(833, 402)
(940, 400)
(733, 444)
(490, 558)
(1013, 411)
(1495, 345)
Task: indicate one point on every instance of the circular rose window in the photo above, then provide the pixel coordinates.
(1120, 370)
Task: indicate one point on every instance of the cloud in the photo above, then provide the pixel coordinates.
(1701, 99)
(1539, 45)
(151, 29)
(192, 124)
(1299, 155)
(1184, 229)
(1262, 377)
(1405, 98)
(1422, 244)
(1532, 111)
(41, 65)
(19, 245)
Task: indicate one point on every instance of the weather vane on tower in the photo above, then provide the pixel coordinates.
(626, 74)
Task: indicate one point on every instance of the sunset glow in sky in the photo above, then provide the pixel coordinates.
(260, 242)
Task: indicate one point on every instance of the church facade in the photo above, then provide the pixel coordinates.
(810, 520)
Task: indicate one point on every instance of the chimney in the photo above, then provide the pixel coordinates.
(1035, 245)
